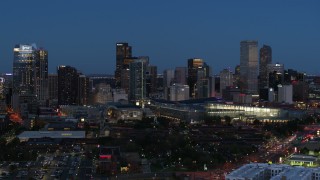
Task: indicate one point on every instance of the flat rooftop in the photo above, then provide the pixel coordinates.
(303, 158)
(52, 134)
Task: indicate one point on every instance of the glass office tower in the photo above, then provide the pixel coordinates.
(123, 51)
(249, 67)
(30, 72)
(265, 59)
(24, 71)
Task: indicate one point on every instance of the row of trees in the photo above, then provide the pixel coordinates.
(13, 151)
(288, 128)
(278, 129)
(210, 120)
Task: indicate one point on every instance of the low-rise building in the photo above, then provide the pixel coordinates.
(109, 159)
(303, 160)
(117, 111)
(26, 135)
(264, 171)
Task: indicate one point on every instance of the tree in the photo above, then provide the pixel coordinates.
(208, 120)
(227, 119)
(3, 141)
(216, 119)
(12, 167)
(304, 150)
(19, 129)
(256, 122)
(309, 120)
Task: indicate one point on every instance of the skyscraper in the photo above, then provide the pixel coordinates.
(2, 94)
(53, 86)
(199, 79)
(249, 66)
(83, 90)
(125, 73)
(275, 76)
(67, 85)
(73, 87)
(265, 59)
(24, 62)
(179, 92)
(137, 92)
(30, 72)
(204, 84)
(102, 94)
(193, 66)
(236, 76)
(285, 94)
(226, 79)
(123, 51)
(151, 79)
(168, 78)
(41, 80)
(180, 75)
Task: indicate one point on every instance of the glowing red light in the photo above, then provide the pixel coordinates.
(105, 156)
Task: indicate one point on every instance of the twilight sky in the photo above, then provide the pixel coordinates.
(83, 33)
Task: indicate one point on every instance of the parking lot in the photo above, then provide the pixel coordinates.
(51, 165)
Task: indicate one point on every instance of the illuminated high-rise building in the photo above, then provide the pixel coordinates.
(236, 76)
(125, 73)
(265, 59)
(275, 76)
(123, 51)
(73, 87)
(200, 82)
(193, 66)
(83, 90)
(24, 62)
(249, 66)
(102, 94)
(41, 78)
(291, 75)
(137, 90)
(226, 79)
(205, 82)
(151, 79)
(7, 87)
(285, 94)
(67, 85)
(30, 72)
(279, 68)
(2, 88)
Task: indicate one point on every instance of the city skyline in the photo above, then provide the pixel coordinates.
(84, 35)
(159, 89)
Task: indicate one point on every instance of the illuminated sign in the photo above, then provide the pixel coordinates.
(105, 156)
(66, 134)
(26, 48)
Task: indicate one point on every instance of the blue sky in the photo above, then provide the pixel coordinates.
(83, 33)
